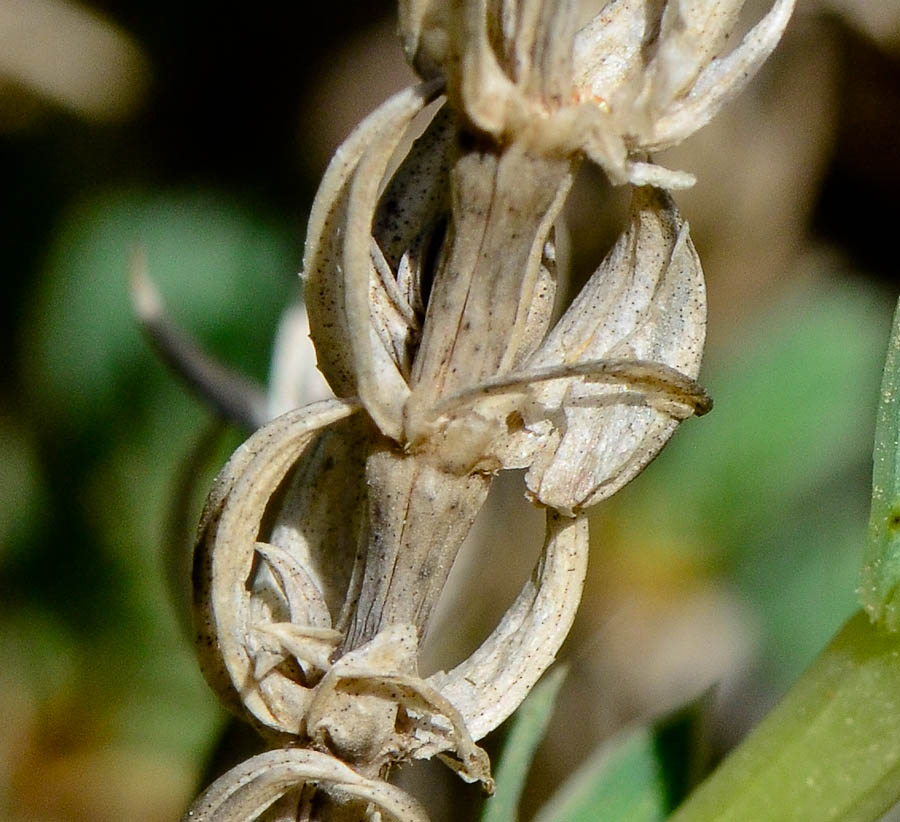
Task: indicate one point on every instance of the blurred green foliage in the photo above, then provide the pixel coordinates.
(87, 624)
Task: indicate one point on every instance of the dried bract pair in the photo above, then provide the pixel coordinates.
(329, 535)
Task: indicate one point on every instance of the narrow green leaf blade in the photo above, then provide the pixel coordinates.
(618, 783)
(881, 569)
(528, 729)
(830, 751)
(638, 776)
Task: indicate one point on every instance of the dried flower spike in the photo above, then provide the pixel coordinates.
(329, 535)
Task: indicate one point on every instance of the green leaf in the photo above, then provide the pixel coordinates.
(527, 731)
(638, 776)
(829, 751)
(881, 568)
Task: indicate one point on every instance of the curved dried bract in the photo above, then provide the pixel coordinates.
(417, 195)
(608, 54)
(248, 790)
(380, 382)
(372, 708)
(225, 560)
(488, 686)
(662, 75)
(719, 82)
(323, 263)
(304, 631)
(659, 383)
(646, 302)
(319, 514)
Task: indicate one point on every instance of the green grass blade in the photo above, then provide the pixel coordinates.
(829, 751)
(638, 776)
(617, 784)
(528, 729)
(881, 568)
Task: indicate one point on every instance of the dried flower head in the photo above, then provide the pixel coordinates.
(329, 535)
(642, 76)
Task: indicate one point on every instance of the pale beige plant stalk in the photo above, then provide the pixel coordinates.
(329, 535)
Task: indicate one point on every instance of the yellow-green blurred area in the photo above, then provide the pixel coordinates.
(199, 132)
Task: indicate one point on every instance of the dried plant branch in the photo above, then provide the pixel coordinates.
(232, 395)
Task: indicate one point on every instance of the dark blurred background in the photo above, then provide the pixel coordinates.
(200, 132)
